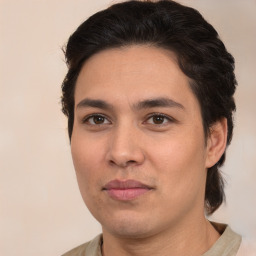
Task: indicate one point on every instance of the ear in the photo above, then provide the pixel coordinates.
(216, 142)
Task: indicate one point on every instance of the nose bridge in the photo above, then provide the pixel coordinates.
(125, 147)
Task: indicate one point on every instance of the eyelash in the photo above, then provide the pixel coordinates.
(168, 118)
(87, 118)
(152, 115)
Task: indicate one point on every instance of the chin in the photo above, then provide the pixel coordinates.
(128, 227)
(129, 232)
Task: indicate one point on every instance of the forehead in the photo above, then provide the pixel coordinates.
(133, 73)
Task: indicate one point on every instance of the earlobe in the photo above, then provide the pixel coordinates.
(216, 142)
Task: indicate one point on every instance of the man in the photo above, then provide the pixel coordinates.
(149, 100)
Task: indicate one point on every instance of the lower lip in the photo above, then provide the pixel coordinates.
(126, 194)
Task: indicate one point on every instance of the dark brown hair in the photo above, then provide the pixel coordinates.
(201, 56)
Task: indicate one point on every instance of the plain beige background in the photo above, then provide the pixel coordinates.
(41, 210)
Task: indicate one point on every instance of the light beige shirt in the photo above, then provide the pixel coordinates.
(227, 245)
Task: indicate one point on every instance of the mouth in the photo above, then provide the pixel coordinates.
(126, 190)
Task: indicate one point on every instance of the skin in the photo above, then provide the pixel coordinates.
(161, 146)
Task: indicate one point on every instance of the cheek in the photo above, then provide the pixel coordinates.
(87, 159)
(91, 171)
(179, 151)
(86, 151)
(180, 165)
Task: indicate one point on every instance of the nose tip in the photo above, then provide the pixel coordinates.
(125, 150)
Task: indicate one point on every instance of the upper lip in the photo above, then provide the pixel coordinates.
(125, 184)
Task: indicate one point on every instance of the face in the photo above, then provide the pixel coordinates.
(138, 142)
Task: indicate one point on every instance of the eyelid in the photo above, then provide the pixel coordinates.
(86, 118)
(151, 115)
(169, 118)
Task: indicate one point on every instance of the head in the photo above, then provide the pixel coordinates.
(178, 32)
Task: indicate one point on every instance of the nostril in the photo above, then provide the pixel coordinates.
(131, 161)
(123, 164)
(111, 162)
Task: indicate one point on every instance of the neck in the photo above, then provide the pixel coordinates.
(191, 239)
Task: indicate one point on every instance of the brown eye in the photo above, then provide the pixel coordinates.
(98, 119)
(158, 119)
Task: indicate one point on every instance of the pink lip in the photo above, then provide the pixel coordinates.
(125, 190)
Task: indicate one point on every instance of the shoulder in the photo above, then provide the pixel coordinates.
(78, 251)
(228, 242)
(91, 248)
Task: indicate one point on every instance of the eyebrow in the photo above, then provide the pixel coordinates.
(94, 104)
(144, 104)
(158, 102)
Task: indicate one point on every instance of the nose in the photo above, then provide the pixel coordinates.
(125, 148)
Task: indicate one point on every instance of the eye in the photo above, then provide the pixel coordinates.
(159, 119)
(96, 120)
